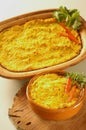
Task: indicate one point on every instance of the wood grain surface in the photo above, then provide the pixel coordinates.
(24, 118)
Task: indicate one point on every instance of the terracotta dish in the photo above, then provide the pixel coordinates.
(43, 14)
(46, 99)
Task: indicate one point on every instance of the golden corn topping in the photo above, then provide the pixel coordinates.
(37, 44)
(48, 90)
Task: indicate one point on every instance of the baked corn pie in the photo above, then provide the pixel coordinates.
(54, 90)
(38, 43)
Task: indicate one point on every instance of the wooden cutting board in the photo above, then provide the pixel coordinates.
(24, 118)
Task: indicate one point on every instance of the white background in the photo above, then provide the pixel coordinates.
(11, 8)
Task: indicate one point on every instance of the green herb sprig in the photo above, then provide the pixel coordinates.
(70, 17)
(77, 77)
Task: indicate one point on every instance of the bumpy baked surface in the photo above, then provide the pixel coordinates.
(48, 90)
(36, 44)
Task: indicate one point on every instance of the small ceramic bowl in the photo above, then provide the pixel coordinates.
(55, 114)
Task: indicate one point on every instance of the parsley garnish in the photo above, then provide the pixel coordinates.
(77, 78)
(70, 17)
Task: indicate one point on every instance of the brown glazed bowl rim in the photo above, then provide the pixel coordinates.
(81, 99)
